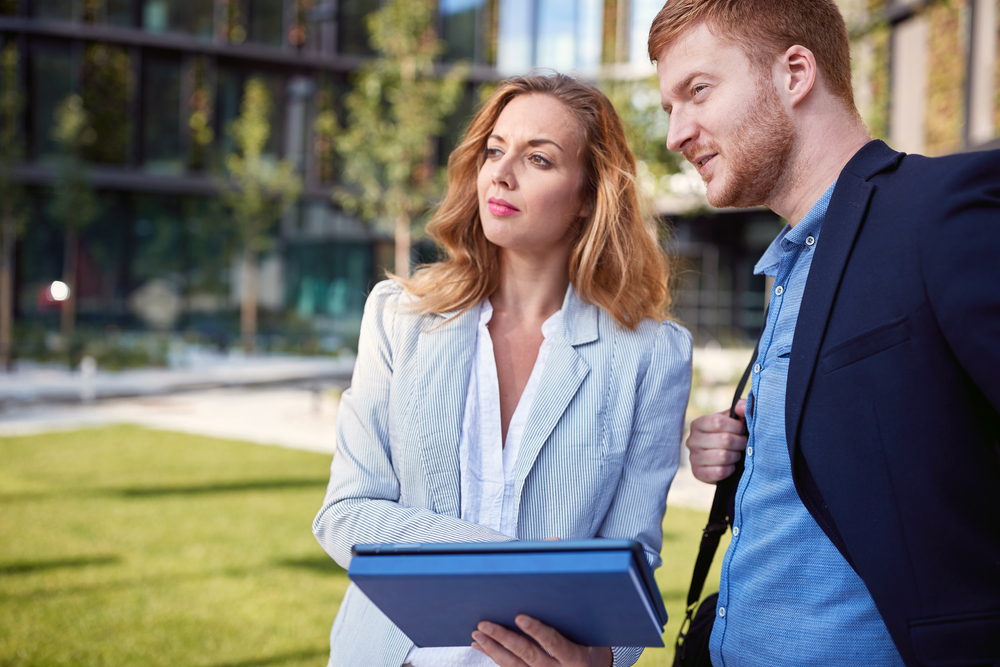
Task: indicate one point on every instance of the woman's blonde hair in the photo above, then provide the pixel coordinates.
(617, 262)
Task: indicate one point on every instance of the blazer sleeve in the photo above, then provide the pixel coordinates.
(960, 260)
(653, 453)
(362, 499)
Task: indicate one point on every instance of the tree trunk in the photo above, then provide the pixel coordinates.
(403, 246)
(248, 300)
(7, 295)
(69, 277)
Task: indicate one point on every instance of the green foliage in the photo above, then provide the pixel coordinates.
(73, 204)
(396, 108)
(638, 104)
(260, 188)
(107, 74)
(13, 202)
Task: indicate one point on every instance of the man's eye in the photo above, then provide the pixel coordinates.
(697, 89)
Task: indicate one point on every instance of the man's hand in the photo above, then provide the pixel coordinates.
(716, 442)
(510, 649)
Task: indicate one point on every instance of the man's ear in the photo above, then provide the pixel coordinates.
(798, 74)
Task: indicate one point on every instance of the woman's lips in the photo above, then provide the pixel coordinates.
(500, 207)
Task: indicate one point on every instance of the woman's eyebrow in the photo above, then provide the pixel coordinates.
(538, 142)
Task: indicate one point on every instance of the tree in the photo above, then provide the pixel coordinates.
(259, 191)
(74, 204)
(13, 205)
(395, 110)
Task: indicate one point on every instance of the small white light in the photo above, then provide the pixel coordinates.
(59, 290)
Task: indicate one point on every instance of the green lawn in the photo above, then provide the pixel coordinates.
(125, 546)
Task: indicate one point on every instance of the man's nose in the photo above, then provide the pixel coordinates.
(681, 131)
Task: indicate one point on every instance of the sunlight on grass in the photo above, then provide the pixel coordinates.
(127, 546)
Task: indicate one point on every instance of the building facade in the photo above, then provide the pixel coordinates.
(162, 79)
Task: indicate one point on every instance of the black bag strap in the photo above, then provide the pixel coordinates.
(720, 517)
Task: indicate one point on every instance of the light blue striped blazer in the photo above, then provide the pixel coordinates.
(599, 450)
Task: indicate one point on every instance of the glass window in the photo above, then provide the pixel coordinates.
(352, 28)
(643, 13)
(459, 27)
(329, 280)
(51, 72)
(120, 12)
(516, 37)
(161, 140)
(193, 17)
(58, 10)
(556, 40)
(107, 83)
(266, 24)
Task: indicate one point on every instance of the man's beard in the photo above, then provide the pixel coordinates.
(759, 152)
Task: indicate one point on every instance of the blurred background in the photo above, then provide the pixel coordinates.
(196, 196)
(139, 220)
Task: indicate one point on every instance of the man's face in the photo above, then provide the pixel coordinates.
(725, 118)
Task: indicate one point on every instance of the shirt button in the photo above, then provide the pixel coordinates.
(722, 612)
(778, 290)
(749, 451)
(756, 368)
(810, 240)
(736, 531)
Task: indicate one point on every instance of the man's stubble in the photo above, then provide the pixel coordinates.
(759, 154)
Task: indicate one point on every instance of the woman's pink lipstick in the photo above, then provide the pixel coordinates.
(500, 208)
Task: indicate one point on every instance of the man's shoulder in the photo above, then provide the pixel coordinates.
(944, 171)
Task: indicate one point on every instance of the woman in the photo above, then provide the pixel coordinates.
(523, 387)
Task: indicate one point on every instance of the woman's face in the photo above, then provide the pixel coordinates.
(531, 182)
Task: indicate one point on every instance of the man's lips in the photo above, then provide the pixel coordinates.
(702, 161)
(500, 207)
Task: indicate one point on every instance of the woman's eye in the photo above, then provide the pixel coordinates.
(492, 152)
(539, 160)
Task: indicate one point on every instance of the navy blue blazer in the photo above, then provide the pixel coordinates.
(894, 392)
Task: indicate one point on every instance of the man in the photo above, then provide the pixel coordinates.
(867, 521)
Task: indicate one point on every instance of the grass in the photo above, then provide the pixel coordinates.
(126, 546)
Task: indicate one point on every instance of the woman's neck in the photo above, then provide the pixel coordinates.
(531, 289)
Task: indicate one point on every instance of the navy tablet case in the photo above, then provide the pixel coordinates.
(596, 592)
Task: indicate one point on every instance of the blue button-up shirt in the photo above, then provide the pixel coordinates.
(787, 596)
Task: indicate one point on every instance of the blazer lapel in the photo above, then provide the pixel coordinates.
(844, 219)
(445, 354)
(564, 372)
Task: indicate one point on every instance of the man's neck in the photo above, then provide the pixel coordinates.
(816, 163)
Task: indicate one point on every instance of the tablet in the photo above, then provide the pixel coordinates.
(595, 592)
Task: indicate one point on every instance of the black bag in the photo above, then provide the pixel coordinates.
(691, 647)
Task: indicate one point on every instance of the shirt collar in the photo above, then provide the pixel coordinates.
(791, 237)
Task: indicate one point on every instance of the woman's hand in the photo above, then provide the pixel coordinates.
(550, 649)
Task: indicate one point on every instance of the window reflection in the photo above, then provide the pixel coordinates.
(350, 39)
(460, 27)
(161, 114)
(193, 17)
(51, 71)
(266, 22)
(107, 84)
(59, 10)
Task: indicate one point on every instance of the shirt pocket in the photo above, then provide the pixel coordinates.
(868, 344)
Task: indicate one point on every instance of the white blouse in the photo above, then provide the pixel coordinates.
(486, 467)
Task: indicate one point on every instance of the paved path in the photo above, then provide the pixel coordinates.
(299, 417)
